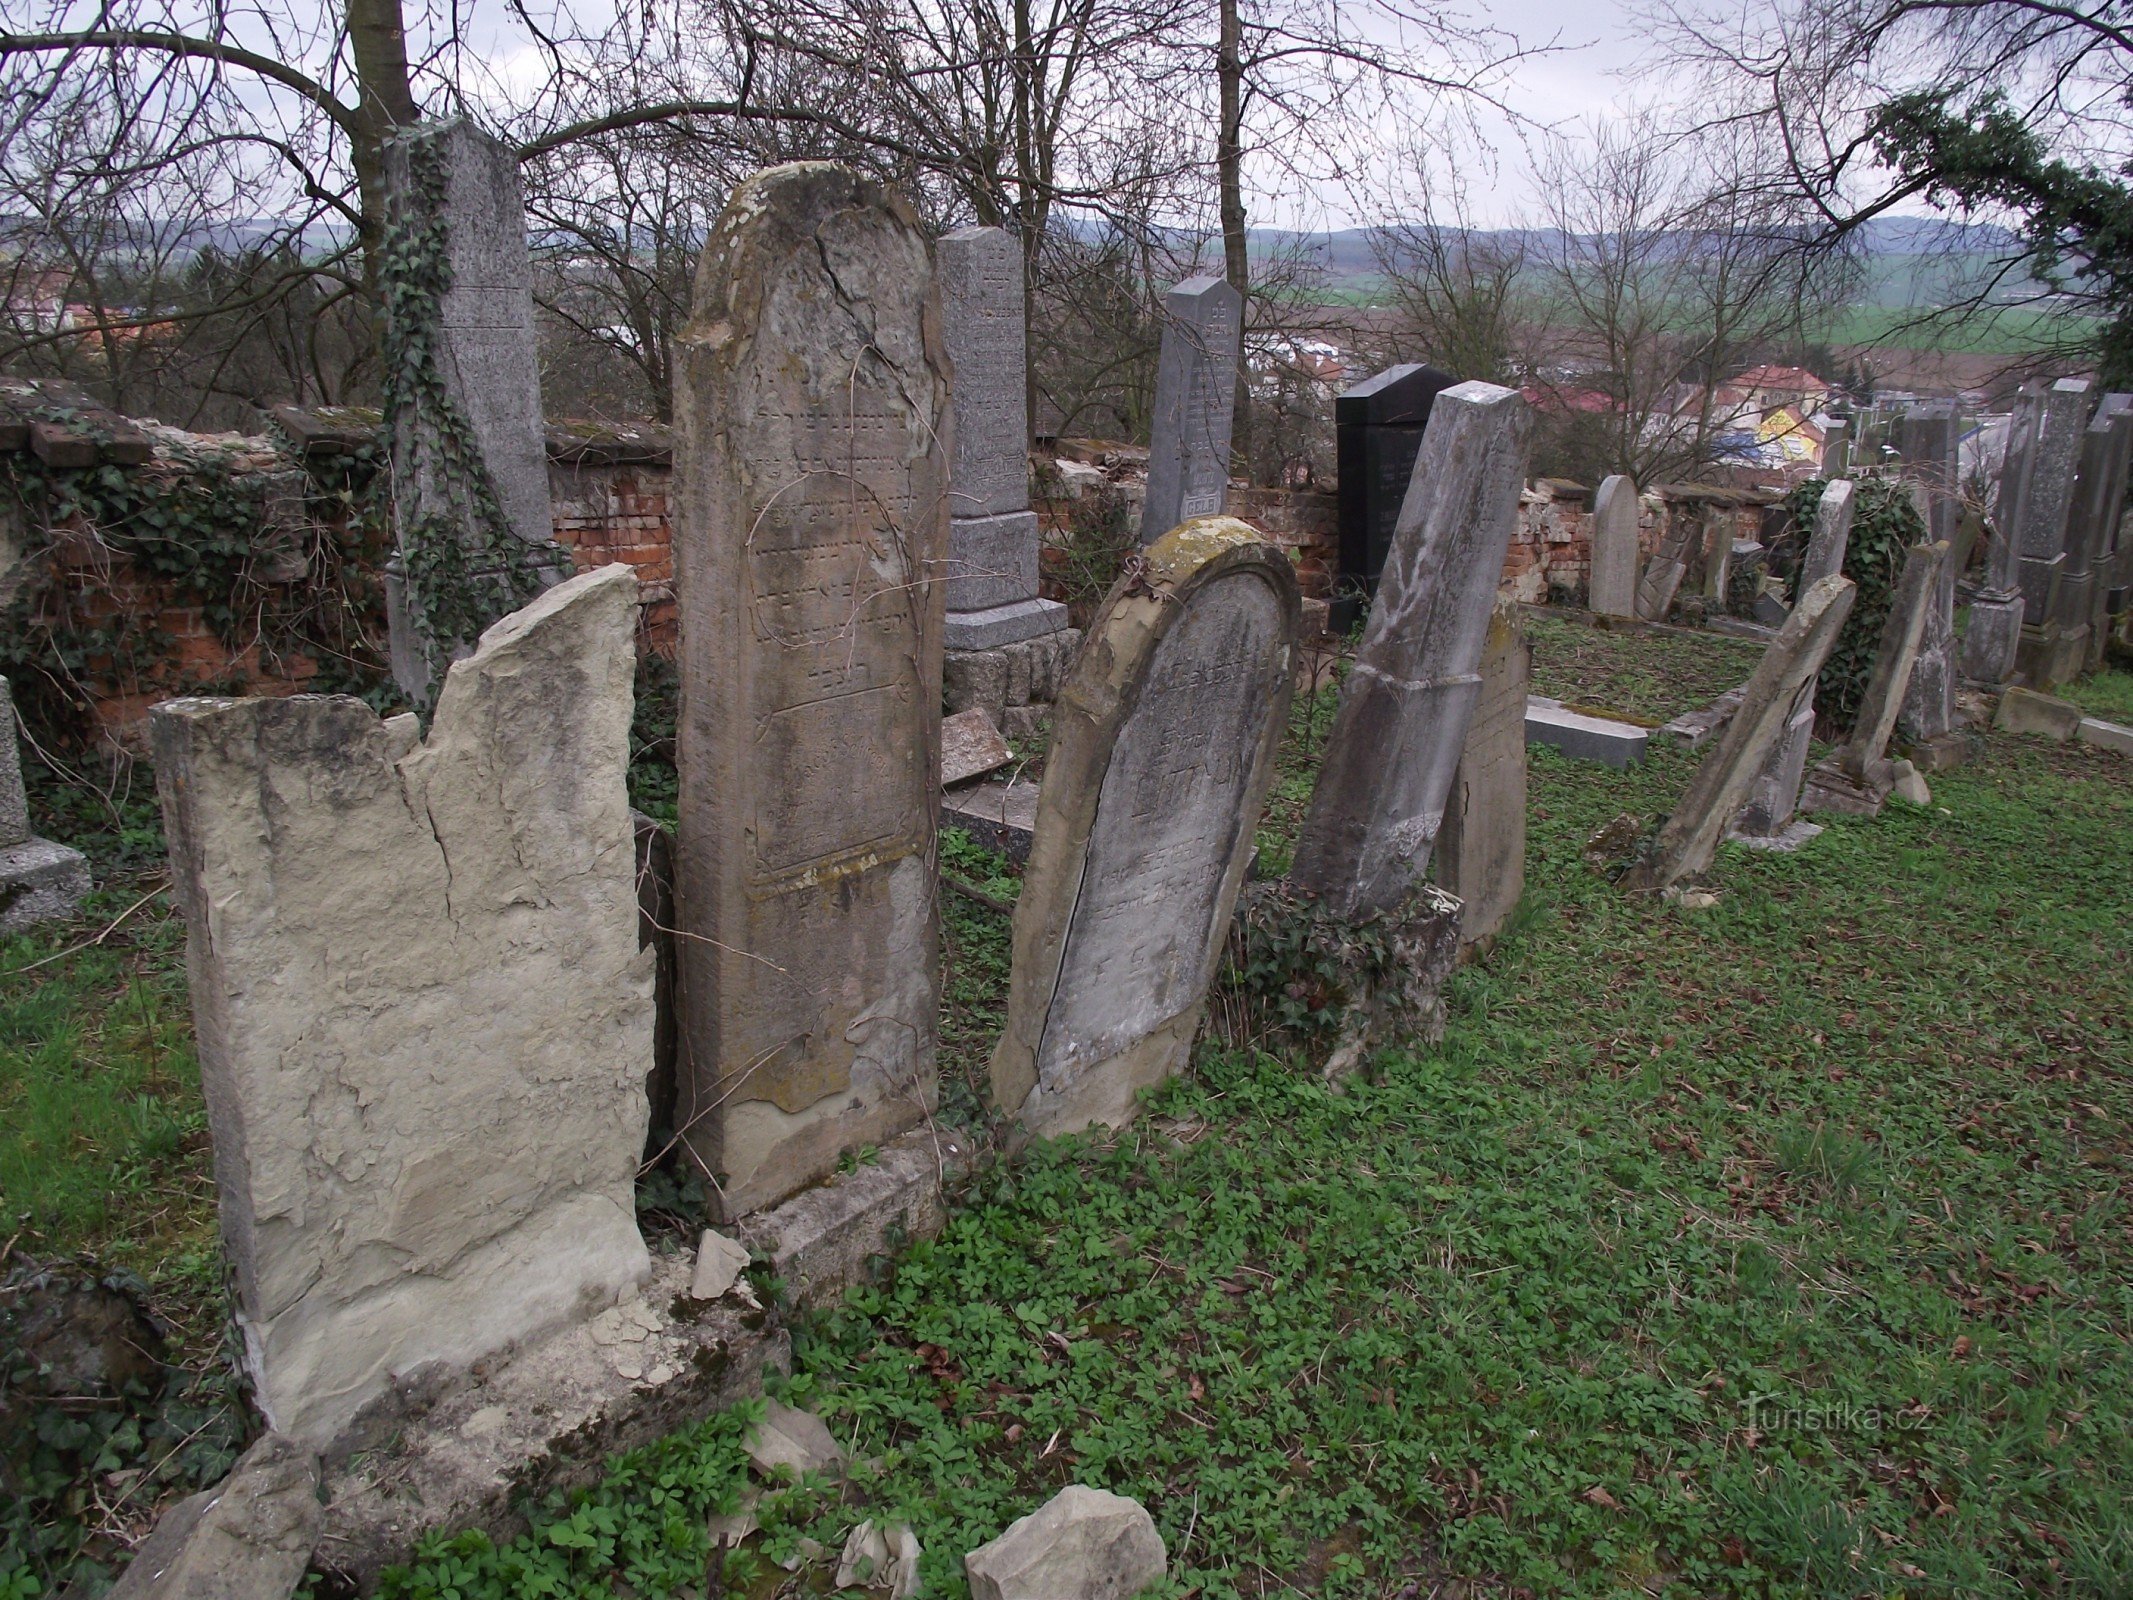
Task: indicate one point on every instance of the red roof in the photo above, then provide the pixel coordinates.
(1794, 378)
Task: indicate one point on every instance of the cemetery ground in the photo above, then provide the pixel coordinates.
(1778, 1248)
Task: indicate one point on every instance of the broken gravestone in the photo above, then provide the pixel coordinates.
(1613, 586)
(1082, 1544)
(1688, 840)
(1928, 436)
(1480, 853)
(1402, 725)
(39, 881)
(813, 515)
(424, 1017)
(1195, 405)
(1859, 777)
(1161, 754)
(248, 1538)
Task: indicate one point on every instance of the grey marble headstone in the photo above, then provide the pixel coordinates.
(14, 803)
(1614, 548)
(992, 534)
(1160, 759)
(486, 348)
(2048, 499)
(1195, 404)
(811, 414)
(1404, 712)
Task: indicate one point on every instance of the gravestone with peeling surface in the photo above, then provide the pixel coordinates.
(463, 391)
(991, 585)
(813, 517)
(1195, 405)
(1613, 589)
(1404, 711)
(40, 881)
(424, 1018)
(1162, 750)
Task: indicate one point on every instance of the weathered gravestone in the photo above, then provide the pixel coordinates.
(1688, 840)
(1775, 795)
(1927, 437)
(813, 496)
(463, 398)
(1162, 750)
(2059, 649)
(1858, 777)
(1378, 428)
(991, 584)
(1405, 709)
(2046, 515)
(1195, 405)
(424, 1018)
(1613, 588)
(1995, 633)
(1480, 854)
(40, 881)
(1837, 448)
(2104, 507)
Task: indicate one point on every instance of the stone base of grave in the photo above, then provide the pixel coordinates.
(1607, 622)
(1783, 842)
(1620, 745)
(1000, 816)
(1942, 753)
(544, 1417)
(1697, 728)
(40, 882)
(1830, 788)
(1991, 640)
(1014, 683)
(2051, 655)
(996, 626)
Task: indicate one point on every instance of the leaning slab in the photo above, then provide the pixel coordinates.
(1398, 736)
(1162, 750)
(813, 474)
(2113, 736)
(1688, 840)
(1082, 1544)
(1000, 816)
(1481, 848)
(424, 1019)
(2026, 711)
(248, 1538)
(1859, 776)
(1620, 745)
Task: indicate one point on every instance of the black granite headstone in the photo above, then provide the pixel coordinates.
(1378, 430)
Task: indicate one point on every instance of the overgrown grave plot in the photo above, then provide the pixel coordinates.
(1649, 676)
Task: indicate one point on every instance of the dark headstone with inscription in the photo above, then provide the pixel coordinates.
(1402, 725)
(457, 210)
(1377, 433)
(1162, 750)
(813, 507)
(992, 533)
(1195, 405)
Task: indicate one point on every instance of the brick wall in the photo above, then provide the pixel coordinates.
(1551, 548)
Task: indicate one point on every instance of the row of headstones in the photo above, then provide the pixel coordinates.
(425, 1017)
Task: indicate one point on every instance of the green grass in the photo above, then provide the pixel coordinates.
(1650, 676)
(2107, 694)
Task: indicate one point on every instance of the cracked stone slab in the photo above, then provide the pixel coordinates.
(424, 1018)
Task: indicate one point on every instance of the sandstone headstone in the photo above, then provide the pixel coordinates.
(1837, 448)
(1082, 1544)
(40, 881)
(1378, 428)
(1162, 749)
(248, 1538)
(1195, 405)
(2059, 650)
(1775, 794)
(14, 801)
(991, 585)
(1614, 548)
(971, 746)
(1480, 854)
(813, 508)
(464, 395)
(1858, 777)
(2047, 493)
(1664, 572)
(1995, 632)
(2103, 499)
(1405, 709)
(424, 1016)
(1688, 840)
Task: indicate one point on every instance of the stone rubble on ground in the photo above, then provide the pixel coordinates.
(880, 1559)
(788, 1440)
(248, 1538)
(1082, 1544)
(719, 1264)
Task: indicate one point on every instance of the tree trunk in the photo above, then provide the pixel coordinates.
(1229, 167)
(385, 100)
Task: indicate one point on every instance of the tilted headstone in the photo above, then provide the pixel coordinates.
(1688, 840)
(991, 585)
(1994, 635)
(1858, 777)
(40, 881)
(1480, 853)
(1614, 548)
(1775, 795)
(1195, 404)
(813, 509)
(463, 389)
(1162, 749)
(1378, 428)
(2062, 651)
(1405, 709)
(424, 1017)
(2105, 509)
(14, 801)
(1668, 566)
(1928, 436)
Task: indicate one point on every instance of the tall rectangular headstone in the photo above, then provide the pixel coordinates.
(1162, 750)
(1927, 436)
(14, 801)
(1857, 779)
(1480, 854)
(1195, 404)
(2048, 501)
(1406, 706)
(1994, 636)
(2099, 499)
(1378, 428)
(463, 397)
(2107, 515)
(1613, 589)
(991, 578)
(424, 1016)
(811, 410)
(1837, 448)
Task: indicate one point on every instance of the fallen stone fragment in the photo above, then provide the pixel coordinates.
(1082, 1544)
(2026, 711)
(1910, 785)
(2107, 735)
(719, 1263)
(728, 1528)
(248, 1538)
(796, 1439)
(1620, 745)
(880, 1559)
(971, 746)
